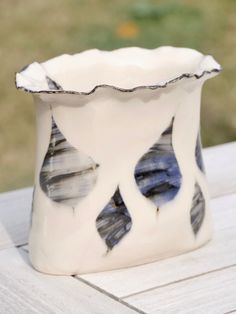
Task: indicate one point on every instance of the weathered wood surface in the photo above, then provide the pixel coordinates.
(24, 290)
(210, 293)
(15, 210)
(221, 168)
(202, 281)
(217, 254)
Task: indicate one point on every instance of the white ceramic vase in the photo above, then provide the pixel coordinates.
(119, 177)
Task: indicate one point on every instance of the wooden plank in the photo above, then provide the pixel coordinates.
(220, 252)
(221, 168)
(15, 206)
(14, 217)
(24, 290)
(212, 293)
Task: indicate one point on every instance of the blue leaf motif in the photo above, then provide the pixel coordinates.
(197, 212)
(114, 221)
(157, 173)
(67, 174)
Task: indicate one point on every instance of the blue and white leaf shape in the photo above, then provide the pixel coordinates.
(197, 212)
(114, 221)
(157, 173)
(67, 174)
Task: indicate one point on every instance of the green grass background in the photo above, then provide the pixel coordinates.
(41, 29)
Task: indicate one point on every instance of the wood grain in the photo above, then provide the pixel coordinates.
(24, 290)
(221, 168)
(15, 210)
(218, 253)
(213, 293)
(202, 281)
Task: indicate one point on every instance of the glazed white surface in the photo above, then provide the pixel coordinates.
(124, 68)
(116, 129)
(69, 240)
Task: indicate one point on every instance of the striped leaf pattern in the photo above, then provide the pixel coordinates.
(114, 222)
(67, 174)
(197, 212)
(198, 154)
(157, 173)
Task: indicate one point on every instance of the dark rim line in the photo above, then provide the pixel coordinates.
(128, 90)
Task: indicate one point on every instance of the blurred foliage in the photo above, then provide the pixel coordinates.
(38, 30)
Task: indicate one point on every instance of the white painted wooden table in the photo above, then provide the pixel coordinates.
(203, 281)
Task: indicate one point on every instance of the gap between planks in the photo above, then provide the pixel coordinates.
(180, 280)
(217, 254)
(100, 290)
(25, 290)
(122, 299)
(213, 293)
(230, 188)
(225, 229)
(112, 296)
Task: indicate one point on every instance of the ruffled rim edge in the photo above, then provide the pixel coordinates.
(126, 90)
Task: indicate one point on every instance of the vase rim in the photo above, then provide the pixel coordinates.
(34, 77)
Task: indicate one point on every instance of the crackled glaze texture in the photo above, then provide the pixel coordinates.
(119, 178)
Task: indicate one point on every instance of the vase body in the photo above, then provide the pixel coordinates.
(119, 178)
